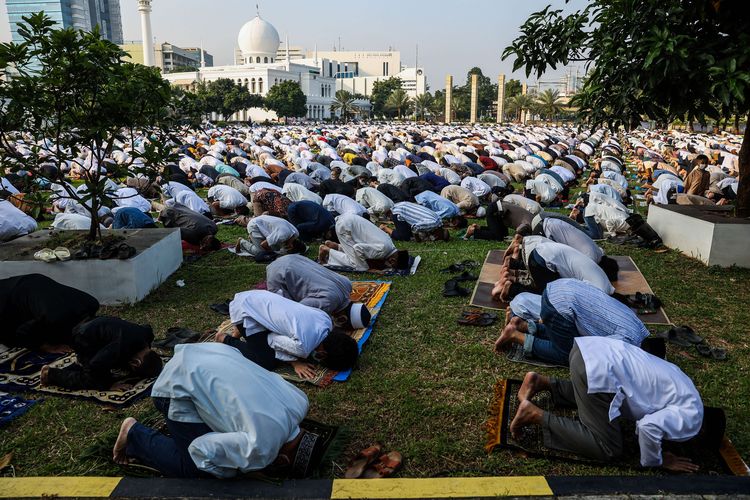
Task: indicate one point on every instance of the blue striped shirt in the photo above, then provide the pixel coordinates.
(417, 216)
(594, 312)
(445, 208)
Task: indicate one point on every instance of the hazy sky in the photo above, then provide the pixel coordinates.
(453, 36)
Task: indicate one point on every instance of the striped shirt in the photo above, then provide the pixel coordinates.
(594, 312)
(445, 209)
(417, 216)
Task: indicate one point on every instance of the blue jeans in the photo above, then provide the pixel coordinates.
(552, 339)
(592, 228)
(168, 454)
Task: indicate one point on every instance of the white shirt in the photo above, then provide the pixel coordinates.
(565, 233)
(342, 204)
(359, 240)
(71, 222)
(129, 197)
(191, 200)
(171, 188)
(476, 186)
(298, 192)
(296, 329)
(655, 393)
(570, 263)
(253, 412)
(227, 196)
(521, 201)
(257, 186)
(274, 230)
(6, 185)
(405, 171)
(373, 200)
(450, 176)
(13, 222)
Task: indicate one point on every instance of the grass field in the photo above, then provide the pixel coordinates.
(424, 383)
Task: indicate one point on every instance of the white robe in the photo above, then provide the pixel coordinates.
(359, 240)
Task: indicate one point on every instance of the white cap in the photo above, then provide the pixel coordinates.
(355, 315)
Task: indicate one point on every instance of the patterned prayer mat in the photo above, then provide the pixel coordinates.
(504, 405)
(370, 293)
(12, 407)
(20, 371)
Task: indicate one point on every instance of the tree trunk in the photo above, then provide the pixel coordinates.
(743, 190)
(736, 128)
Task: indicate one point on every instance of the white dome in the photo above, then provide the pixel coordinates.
(258, 38)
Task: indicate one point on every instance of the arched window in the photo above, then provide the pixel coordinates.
(252, 85)
(257, 59)
(275, 81)
(272, 59)
(260, 85)
(246, 83)
(265, 60)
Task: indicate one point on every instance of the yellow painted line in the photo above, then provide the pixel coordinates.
(447, 487)
(29, 487)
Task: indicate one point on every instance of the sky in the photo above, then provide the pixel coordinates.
(453, 36)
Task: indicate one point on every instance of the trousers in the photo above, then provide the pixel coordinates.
(553, 338)
(168, 454)
(592, 435)
(255, 348)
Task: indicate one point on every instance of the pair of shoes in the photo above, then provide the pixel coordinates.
(452, 289)
(121, 251)
(460, 266)
(176, 336)
(48, 255)
(221, 308)
(371, 463)
(465, 276)
(476, 317)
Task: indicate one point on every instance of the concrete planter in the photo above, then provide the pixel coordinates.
(709, 234)
(111, 281)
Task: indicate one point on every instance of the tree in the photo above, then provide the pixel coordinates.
(344, 103)
(437, 107)
(399, 101)
(423, 103)
(226, 97)
(381, 91)
(74, 97)
(548, 104)
(287, 99)
(519, 103)
(513, 88)
(658, 59)
(486, 91)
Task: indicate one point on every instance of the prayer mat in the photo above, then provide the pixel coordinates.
(505, 403)
(482, 296)
(629, 281)
(516, 355)
(370, 293)
(20, 371)
(12, 407)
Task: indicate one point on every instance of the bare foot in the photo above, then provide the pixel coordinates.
(519, 324)
(219, 337)
(505, 293)
(527, 414)
(500, 290)
(238, 246)
(508, 335)
(118, 452)
(532, 384)
(44, 375)
(323, 252)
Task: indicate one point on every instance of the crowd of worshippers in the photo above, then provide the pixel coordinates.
(687, 169)
(357, 189)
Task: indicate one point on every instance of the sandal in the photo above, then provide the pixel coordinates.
(221, 308)
(453, 268)
(62, 253)
(683, 336)
(125, 251)
(365, 458)
(476, 320)
(46, 255)
(470, 312)
(384, 467)
(453, 290)
(717, 353)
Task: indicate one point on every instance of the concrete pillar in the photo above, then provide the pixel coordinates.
(448, 98)
(144, 7)
(474, 98)
(524, 113)
(500, 98)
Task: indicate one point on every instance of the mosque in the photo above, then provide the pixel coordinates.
(261, 69)
(264, 65)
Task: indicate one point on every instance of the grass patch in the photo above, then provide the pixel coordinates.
(424, 383)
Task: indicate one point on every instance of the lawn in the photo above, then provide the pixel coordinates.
(424, 383)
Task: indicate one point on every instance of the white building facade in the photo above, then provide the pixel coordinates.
(261, 69)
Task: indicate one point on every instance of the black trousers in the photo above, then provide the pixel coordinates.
(403, 231)
(256, 349)
(495, 229)
(539, 271)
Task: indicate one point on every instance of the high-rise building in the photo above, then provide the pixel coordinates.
(169, 57)
(78, 14)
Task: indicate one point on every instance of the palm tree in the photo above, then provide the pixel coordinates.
(549, 104)
(517, 104)
(423, 103)
(399, 101)
(344, 103)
